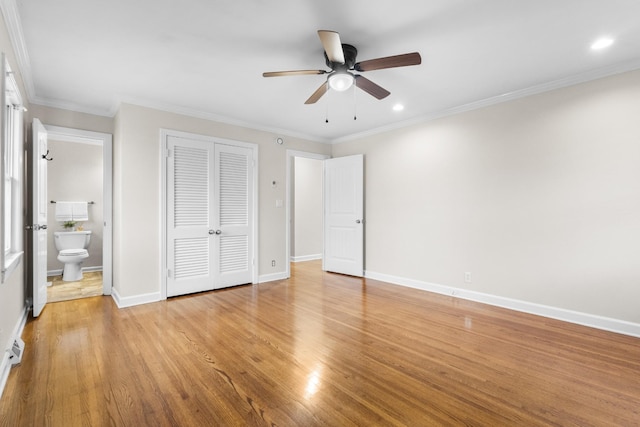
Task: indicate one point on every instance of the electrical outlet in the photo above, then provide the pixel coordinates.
(467, 277)
(273, 263)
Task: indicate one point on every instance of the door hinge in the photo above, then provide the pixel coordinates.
(167, 153)
(169, 273)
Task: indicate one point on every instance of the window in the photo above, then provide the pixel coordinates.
(12, 169)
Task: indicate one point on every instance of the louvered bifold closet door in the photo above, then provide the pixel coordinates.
(233, 208)
(191, 253)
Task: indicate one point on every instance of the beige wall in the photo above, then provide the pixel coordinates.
(307, 207)
(76, 174)
(537, 198)
(137, 184)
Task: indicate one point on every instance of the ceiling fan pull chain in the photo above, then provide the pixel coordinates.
(326, 120)
(355, 103)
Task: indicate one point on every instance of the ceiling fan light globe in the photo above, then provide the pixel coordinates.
(340, 81)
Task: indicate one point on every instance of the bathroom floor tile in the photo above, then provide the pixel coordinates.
(89, 286)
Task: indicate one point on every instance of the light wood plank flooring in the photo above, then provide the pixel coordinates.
(89, 286)
(317, 350)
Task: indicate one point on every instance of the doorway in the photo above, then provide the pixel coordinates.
(304, 202)
(80, 170)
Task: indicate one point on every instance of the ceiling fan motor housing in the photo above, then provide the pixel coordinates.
(350, 53)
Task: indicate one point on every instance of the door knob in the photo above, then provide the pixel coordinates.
(358, 221)
(212, 232)
(218, 232)
(36, 227)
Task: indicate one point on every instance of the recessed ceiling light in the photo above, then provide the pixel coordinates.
(602, 43)
(398, 107)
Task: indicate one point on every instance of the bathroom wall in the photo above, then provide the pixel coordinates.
(76, 174)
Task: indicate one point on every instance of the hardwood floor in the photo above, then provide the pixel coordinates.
(318, 349)
(89, 286)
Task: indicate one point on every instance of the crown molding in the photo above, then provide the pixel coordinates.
(168, 108)
(509, 96)
(14, 28)
(487, 102)
(72, 106)
(219, 119)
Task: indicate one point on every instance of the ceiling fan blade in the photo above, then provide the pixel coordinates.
(389, 62)
(332, 45)
(317, 94)
(292, 73)
(371, 88)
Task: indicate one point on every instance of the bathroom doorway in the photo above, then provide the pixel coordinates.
(80, 170)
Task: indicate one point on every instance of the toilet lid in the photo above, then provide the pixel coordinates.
(74, 252)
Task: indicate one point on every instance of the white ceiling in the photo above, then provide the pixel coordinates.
(206, 57)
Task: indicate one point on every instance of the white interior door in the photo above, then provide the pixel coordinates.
(39, 217)
(234, 211)
(343, 215)
(209, 215)
(190, 222)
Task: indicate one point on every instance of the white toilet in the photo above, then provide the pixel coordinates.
(72, 247)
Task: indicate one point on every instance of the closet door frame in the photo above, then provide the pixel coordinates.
(164, 135)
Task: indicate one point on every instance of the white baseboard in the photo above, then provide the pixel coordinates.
(5, 366)
(272, 277)
(303, 258)
(585, 319)
(123, 302)
(84, 270)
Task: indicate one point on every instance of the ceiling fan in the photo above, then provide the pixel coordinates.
(341, 58)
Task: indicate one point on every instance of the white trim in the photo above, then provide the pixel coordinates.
(106, 140)
(164, 135)
(509, 96)
(124, 302)
(303, 258)
(58, 272)
(288, 206)
(5, 366)
(264, 278)
(584, 319)
(16, 35)
(189, 112)
(11, 261)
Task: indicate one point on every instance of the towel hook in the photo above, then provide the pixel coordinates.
(44, 156)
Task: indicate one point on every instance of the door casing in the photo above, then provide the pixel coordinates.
(60, 133)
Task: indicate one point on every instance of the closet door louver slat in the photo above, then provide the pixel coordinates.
(233, 189)
(191, 187)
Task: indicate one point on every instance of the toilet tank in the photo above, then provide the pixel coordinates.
(72, 239)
